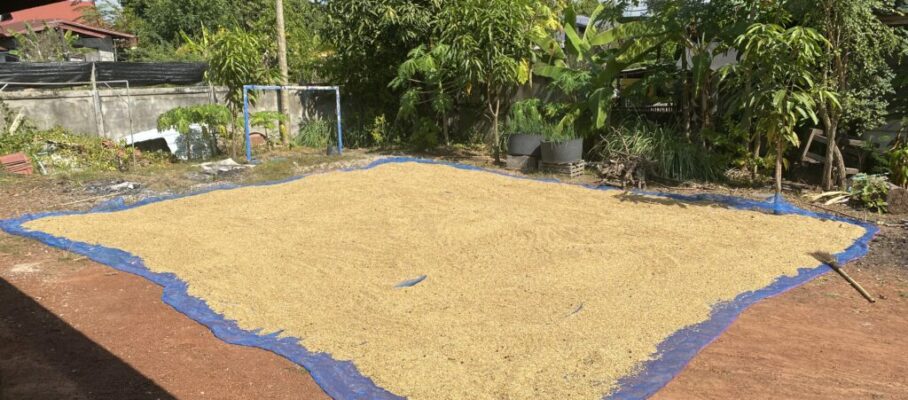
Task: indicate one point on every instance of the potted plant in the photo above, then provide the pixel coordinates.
(561, 146)
(525, 129)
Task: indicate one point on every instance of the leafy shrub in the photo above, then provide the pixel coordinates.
(11, 121)
(379, 131)
(898, 164)
(316, 134)
(214, 118)
(57, 150)
(526, 118)
(267, 120)
(425, 135)
(357, 136)
(870, 191)
(533, 117)
(670, 155)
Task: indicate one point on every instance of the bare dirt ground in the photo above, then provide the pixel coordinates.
(74, 329)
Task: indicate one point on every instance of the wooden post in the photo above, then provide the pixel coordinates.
(283, 101)
(96, 103)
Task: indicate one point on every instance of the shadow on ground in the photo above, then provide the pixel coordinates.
(43, 357)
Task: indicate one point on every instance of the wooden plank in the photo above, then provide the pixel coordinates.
(813, 158)
(573, 169)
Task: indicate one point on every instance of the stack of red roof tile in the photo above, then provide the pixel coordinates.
(16, 163)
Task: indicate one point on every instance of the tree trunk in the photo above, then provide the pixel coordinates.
(830, 131)
(835, 74)
(748, 124)
(758, 144)
(842, 176)
(284, 99)
(685, 97)
(779, 154)
(834, 158)
(444, 128)
(495, 134)
(233, 136)
(706, 110)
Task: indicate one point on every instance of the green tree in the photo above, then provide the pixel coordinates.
(697, 31)
(781, 66)
(369, 40)
(438, 58)
(428, 80)
(304, 25)
(856, 68)
(161, 21)
(163, 25)
(490, 45)
(481, 46)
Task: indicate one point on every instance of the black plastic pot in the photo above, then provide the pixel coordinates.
(524, 145)
(562, 152)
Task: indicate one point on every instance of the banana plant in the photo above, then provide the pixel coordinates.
(585, 69)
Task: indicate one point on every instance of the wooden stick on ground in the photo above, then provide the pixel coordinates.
(831, 261)
(89, 199)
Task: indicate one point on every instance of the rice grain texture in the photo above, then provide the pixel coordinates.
(533, 290)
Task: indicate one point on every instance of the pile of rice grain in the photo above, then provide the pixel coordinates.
(534, 290)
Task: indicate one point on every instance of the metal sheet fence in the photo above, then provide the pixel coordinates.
(138, 74)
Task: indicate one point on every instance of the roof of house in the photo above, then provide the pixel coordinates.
(66, 10)
(10, 6)
(8, 29)
(60, 14)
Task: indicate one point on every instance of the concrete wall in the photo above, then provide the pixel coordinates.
(74, 109)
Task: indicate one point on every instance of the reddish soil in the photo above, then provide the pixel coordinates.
(819, 341)
(74, 329)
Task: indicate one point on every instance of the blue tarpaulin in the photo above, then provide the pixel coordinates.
(341, 380)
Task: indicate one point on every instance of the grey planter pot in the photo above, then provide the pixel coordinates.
(562, 152)
(524, 145)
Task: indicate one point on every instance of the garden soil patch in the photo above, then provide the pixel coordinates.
(533, 289)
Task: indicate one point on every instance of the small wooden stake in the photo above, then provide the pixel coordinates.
(831, 261)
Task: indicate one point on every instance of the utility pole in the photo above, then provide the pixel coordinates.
(284, 100)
